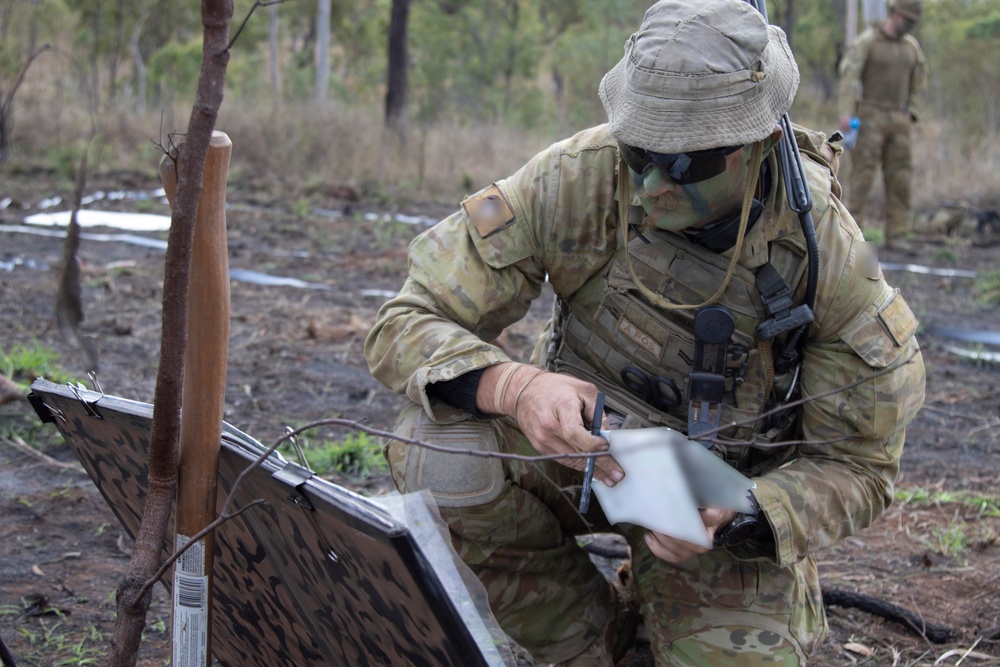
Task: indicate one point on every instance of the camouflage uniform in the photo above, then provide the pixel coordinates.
(882, 82)
(557, 218)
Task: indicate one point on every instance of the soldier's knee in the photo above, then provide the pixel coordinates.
(453, 478)
(472, 492)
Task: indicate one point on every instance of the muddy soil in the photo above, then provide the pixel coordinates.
(295, 356)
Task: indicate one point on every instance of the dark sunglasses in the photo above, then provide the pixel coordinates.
(682, 168)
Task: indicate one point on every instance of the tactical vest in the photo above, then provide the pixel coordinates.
(607, 331)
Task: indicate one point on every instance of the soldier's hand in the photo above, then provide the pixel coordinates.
(845, 123)
(674, 550)
(550, 410)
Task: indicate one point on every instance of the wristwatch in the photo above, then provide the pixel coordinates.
(741, 528)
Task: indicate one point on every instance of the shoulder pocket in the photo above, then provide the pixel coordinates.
(495, 228)
(879, 334)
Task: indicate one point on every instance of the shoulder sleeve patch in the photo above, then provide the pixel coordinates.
(488, 211)
(868, 254)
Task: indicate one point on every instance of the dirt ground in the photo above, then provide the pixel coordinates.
(295, 356)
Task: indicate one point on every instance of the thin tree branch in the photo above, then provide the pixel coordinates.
(9, 99)
(291, 435)
(259, 3)
(218, 521)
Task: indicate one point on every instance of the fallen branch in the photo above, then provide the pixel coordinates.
(938, 634)
(23, 447)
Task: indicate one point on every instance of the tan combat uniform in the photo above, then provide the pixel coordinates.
(882, 82)
(514, 523)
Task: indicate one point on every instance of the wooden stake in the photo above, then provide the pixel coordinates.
(202, 405)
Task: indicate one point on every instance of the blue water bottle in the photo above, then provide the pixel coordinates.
(851, 137)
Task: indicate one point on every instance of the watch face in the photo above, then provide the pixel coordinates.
(741, 528)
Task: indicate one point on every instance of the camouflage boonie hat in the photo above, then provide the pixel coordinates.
(700, 75)
(908, 8)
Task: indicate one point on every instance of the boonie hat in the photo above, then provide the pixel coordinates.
(908, 8)
(697, 75)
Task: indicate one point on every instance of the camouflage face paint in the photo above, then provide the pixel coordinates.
(676, 207)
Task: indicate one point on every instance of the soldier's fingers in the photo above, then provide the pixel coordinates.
(672, 549)
(714, 518)
(607, 469)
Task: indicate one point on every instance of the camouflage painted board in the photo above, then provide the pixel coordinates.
(315, 575)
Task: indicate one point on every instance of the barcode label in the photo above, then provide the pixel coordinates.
(191, 591)
(190, 645)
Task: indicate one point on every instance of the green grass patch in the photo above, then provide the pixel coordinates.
(23, 364)
(986, 506)
(25, 425)
(64, 649)
(26, 363)
(390, 234)
(988, 288)
(945, 256)
(966, 529)
(356, 455)
(950, 540)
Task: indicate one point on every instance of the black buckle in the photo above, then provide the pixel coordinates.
(713, 329)
(777, 297)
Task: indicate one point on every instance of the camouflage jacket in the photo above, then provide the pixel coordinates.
(477, 272)
(886, 73)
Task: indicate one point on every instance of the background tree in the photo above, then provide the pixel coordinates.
(274, 53)
(7, 102)
(396, 79)
(322, 50)
(528, 66)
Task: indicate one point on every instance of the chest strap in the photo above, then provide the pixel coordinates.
(713, 329)
(777, 297)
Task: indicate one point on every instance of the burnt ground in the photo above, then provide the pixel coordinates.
(295, 356)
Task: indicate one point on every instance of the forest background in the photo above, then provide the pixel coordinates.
(332, 94)
(330, 97)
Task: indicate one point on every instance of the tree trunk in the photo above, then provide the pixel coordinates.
(850, 23)
(165, 433)
(115, 55)
(95, 58)
(789, 21)
(395, 94)
(138, 66)
(274, 68)
(322, 51)
(7, 103)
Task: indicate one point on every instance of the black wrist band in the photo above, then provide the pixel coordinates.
(741, 528)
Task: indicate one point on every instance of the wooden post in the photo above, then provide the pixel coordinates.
(202, 404)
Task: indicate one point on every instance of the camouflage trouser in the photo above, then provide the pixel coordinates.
(884, 138)
(514, 523)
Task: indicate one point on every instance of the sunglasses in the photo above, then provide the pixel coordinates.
(682, 168)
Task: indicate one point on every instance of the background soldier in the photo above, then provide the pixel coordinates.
(882, 80)
(677, 202)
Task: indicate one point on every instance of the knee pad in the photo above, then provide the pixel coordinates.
(454, 479)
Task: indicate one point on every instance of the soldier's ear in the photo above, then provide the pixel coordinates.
(772, 141)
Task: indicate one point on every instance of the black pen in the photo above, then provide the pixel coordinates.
(588, 473)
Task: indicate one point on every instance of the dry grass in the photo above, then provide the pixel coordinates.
(299, 148)
(295, 148)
